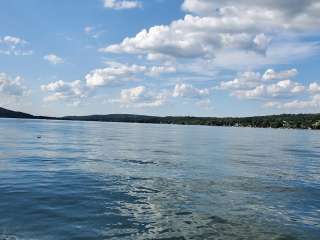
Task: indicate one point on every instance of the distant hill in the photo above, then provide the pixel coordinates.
(298, 121)
(116, 118)
(5, 113)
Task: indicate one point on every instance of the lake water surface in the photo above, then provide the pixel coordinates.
(86, 180)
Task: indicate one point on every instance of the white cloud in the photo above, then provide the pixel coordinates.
(10, 45)
(314, 88)
(116, 73)
(155, 71)
(193, 37)
(286, 14)
(60, 90)
(270, 74)
(277, 53)
(12, 87)
(266, 87)
(257, 92)
(88, 29)
(122, 4)
(282, 88)
(313, 102)
(141, 97)
(188, 91)
(205, 103)
(271, 104)
(245, 25)
(53, 59)
(199, 6)
(244, 80)
(253, 79)
(113, 74)
(261, 42)
(13, 40)
(94, 32)
(241, 35)
(237, 35)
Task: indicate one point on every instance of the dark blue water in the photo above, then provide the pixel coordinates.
(135, 181)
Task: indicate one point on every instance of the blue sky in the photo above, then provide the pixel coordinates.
(160, 57)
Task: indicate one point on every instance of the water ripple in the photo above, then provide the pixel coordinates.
(134, 181)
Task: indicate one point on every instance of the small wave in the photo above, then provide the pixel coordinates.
(165, 152)
(146, 190)
(8, 237)
(303, 152)
(218, 220)
(183, 213)
(286, 237)
(139, 162)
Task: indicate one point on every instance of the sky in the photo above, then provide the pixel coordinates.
(160, 57)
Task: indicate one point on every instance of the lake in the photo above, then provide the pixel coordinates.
(89, 180)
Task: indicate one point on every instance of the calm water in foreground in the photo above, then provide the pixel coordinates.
(85, 180)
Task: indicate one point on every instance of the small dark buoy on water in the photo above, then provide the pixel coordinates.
(38, 137)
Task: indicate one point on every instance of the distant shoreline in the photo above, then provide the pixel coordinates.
(283, 121)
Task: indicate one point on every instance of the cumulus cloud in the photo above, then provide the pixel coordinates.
(10, 45)
(73, 92)
(314, 88)
(122, 4)
(116, 73)
(155, 71)
(53, 59)
(189, 91)
(228, 34)
(141, 97)
(270, 74)
(313, 102)
(113, 74)
(237, 35)
(199, 6)
(12, 86)
(244, 80)
(274, 90)
(286, 14)
(282, 88)
(277, 53)
(192, 37)
(250, 79)
(218, 25)
(272, 86)
(13, 40)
